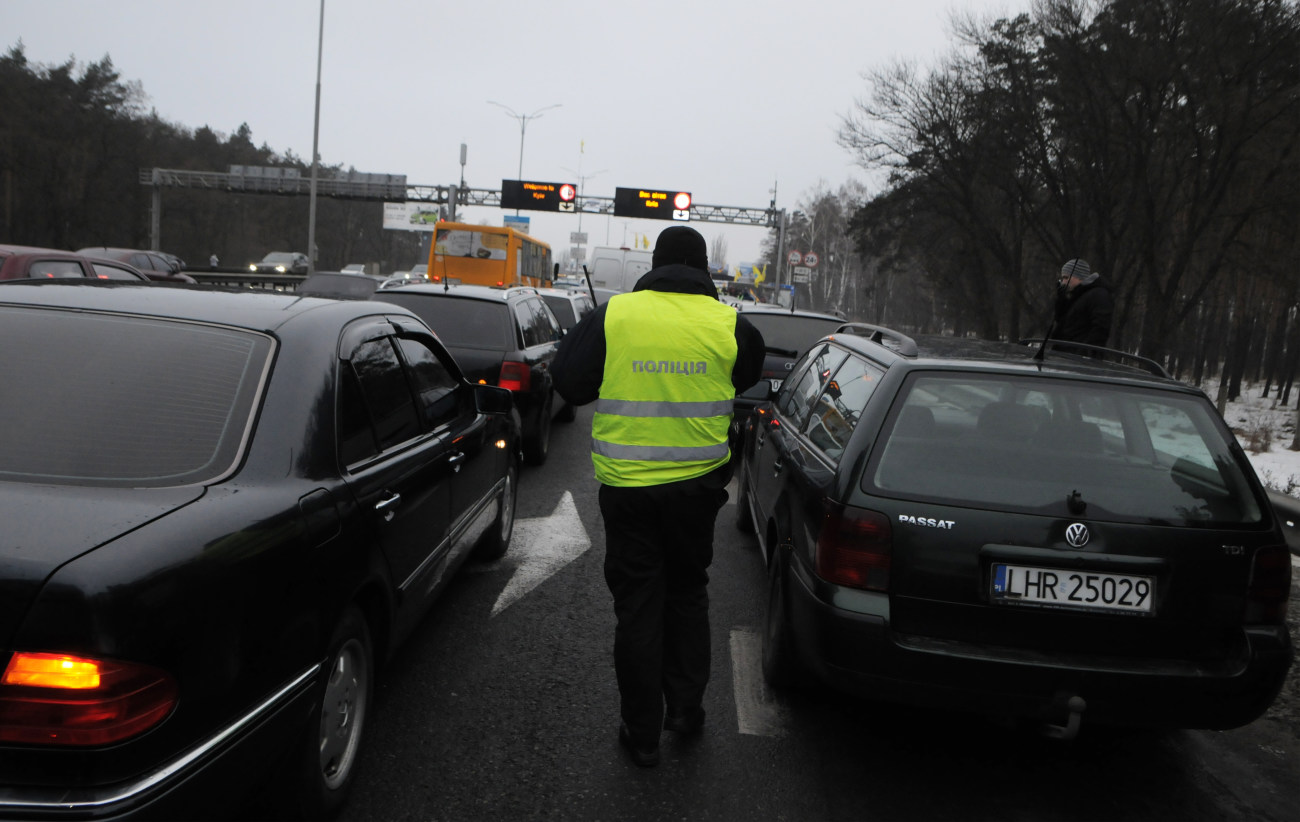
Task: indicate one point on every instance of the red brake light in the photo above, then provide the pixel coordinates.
(516, 376)
(854, 547)
(437, 278)
(1270, 585)
(62, 699)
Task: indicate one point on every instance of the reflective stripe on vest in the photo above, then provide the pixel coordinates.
(665, 402)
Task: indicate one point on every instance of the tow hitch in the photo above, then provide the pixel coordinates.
(1074, 706)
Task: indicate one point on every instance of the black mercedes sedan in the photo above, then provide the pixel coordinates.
(222, 511)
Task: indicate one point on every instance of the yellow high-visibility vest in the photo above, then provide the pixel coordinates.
(665, 400)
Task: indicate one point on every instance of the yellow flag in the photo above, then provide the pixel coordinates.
(760, 273)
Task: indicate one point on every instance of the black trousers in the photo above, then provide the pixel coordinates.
(658, 547)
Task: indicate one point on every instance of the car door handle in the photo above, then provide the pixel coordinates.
(386, 505)
(455, 460)
(777, 466)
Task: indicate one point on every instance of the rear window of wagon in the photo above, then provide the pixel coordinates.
(1031, 445)
(111, 400)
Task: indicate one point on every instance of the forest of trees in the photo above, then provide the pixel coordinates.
(73, 140)
(1156, 139)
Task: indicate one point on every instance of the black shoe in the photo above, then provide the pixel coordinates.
(646, 757)
(685, 721)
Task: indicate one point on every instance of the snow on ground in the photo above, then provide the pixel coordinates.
(1265, 430)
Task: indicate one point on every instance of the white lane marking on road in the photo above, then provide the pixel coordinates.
(542, 546)
(1295, 561)
(758, 711)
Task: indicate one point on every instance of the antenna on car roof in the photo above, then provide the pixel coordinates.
(587, 274)
(1042, 346)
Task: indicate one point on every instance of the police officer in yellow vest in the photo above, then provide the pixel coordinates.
(663, 364)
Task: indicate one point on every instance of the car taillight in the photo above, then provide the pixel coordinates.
(1270, 585)
(516, 376)
(854, 547)
(62, 699)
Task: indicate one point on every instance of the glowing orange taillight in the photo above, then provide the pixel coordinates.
(78, 701)
(51, 671)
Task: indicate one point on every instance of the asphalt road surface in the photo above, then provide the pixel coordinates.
(503, 706)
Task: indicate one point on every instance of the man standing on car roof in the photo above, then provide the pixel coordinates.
(663, 364)
(1083, 305)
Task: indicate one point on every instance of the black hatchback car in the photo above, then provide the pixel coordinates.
(200, 582)
(500, 336)
(1008, 529)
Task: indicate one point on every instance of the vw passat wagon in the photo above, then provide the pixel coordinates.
(1009, 529)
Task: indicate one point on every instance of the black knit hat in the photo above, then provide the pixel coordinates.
(681, 244)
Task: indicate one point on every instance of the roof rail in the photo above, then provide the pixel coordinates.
(1097, 352)
(902, 344)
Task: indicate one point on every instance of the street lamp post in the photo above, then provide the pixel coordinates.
(523, 125)
(315, 150)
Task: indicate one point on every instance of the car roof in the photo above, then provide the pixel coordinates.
(929, 351)
(239, 308)
(772, 308)
(31, 249)
(473, 292)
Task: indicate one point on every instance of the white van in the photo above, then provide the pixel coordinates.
(617, 269)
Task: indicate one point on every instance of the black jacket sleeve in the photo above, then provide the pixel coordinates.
(579, 365)
(750, 352)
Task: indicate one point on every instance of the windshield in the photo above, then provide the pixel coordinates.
(459, 322)
(115, 400)
(473, 244)
(278, 257)
(1062, 447)
(790, 332)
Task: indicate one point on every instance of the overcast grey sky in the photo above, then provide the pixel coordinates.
(724, 98)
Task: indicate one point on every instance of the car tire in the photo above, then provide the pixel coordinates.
(781, 668)
(538, 446)
(496, 541)
(333, 737)
(744, 517)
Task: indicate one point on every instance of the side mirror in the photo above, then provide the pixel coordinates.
(491, 399)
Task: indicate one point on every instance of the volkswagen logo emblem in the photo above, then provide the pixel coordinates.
(1077, 535)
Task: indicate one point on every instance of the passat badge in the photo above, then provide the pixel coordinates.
(1077, 534)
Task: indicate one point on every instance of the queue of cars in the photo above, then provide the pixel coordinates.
(982, 526)
(954, 523)
(19, 262)
(225, 580)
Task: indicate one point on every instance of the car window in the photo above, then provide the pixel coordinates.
(387, 397)
(142, 261)
(106, 271)
(55, 269)
(837, 409)
(435, 386)
(137, 376)
(529, 324)
(796, 398)
(548, 327)
(1023, 444)
(459, 322)
(563, 308)
(790, 332)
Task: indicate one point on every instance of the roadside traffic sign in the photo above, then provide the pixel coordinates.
(810, 259)
(795, 257)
